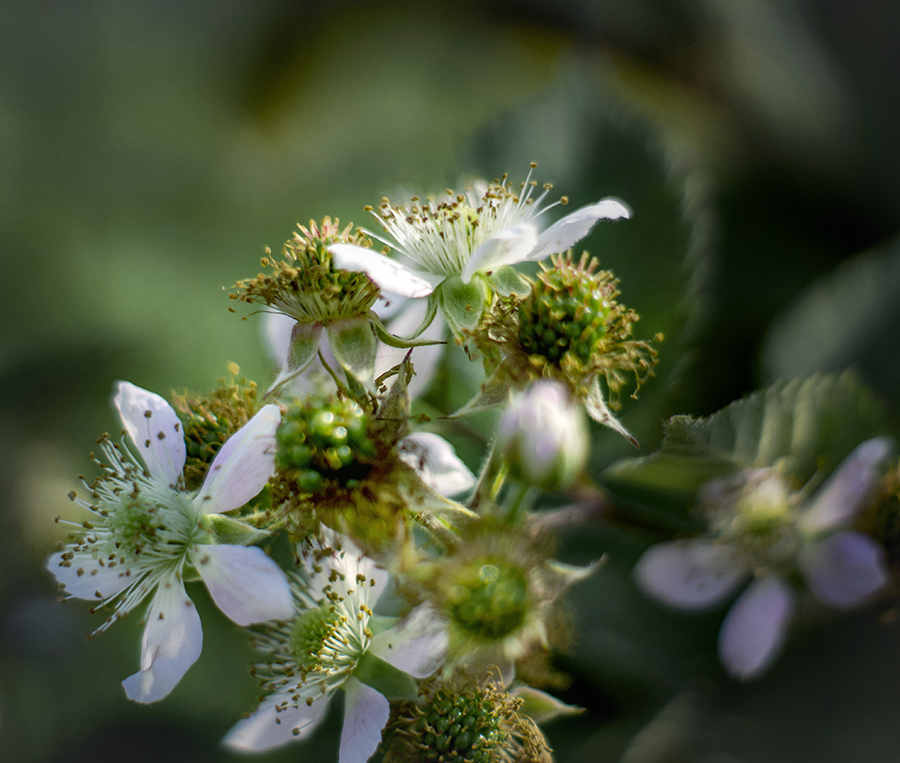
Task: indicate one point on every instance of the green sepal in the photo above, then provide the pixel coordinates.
(395, 341)
(597, 409)
(462, 303)
(431, 308)
(227, 531)
(542, 707)
(392, 682)
(677, 476)
(506, 280)
(494, 391)
(354, 346)
(393, 411)
(301, 351)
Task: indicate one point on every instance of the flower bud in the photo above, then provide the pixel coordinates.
(543, 436)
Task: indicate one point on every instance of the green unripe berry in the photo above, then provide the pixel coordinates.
(321, 441)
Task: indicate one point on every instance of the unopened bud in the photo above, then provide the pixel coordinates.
(543, 436)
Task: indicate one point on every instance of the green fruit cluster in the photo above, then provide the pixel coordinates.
(463, 726)
(566, 312)
(321, 441)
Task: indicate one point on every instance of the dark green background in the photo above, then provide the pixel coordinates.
(149, 151)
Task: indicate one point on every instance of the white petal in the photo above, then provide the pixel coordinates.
(845, 569)
(389, 274)
(754, 628)
(349, 563)
(246, 584)
(506, 248)
(565, 233)
(417, 644)
(849, 488)
(366, 712)
(86, 578)
(436, 462)
(155, 430)
(266, 727)
(243, 465)
(689, 574)
(172, 643)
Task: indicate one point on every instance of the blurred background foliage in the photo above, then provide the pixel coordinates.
(149, 151)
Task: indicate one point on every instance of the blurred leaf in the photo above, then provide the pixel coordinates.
(805, 424)
(849, 318)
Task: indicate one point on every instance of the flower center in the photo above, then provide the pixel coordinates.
(313, 633)
(147, 526)
(305, 283)
(760, 524)
(490, 598)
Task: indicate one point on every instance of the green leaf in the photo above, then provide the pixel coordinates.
(848, 318)
(804, 425)
(462, 303)
(392, 682)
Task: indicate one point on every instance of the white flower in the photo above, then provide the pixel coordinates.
(146, 532)
(330, 644)
(760, 537)
(444, 244)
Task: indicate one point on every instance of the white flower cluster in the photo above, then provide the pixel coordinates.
(330, 521)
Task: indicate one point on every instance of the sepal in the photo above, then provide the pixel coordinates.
(392, 682)
(506, 280)
(542, 707)
(462, 303)
(597, 409)
(228, 531)
(301, 351)
(354, 346)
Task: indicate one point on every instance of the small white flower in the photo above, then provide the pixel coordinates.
(146, 532)
(331, 644)
(445, 243)
(760, 536)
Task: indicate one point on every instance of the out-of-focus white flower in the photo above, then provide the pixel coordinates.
(146, 533)
(543, 435)
(496, 597)
(761, 534)
(441, 245)
(332, 642)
